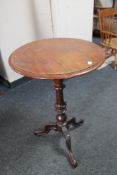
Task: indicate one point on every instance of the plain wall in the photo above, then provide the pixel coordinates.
(73, 18)
(23, 21)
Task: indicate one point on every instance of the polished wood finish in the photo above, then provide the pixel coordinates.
(58, 59)
(108, 30)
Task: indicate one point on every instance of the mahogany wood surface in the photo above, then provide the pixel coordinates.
(56, 58)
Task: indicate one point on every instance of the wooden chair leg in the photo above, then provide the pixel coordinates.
(115, 66)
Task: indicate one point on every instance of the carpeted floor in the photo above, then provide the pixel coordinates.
(23, 109)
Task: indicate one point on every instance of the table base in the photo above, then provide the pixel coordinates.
(62, 124)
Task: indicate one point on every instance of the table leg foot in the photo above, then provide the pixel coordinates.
(47, 128)
(64, 130)
(67, 137)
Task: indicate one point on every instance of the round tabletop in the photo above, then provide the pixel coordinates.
(57, 58)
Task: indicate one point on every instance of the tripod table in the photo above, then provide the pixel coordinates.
(58, 59)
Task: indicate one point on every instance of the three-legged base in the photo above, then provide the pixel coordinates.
(64, 130)
(62, 124)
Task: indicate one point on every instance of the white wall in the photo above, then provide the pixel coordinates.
(73, 18)
(41, 12)
(15, 29)
(22, 21)
(19, 24)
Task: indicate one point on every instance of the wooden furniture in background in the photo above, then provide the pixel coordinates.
(99, 5)
(108, 30)
(58, 59)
